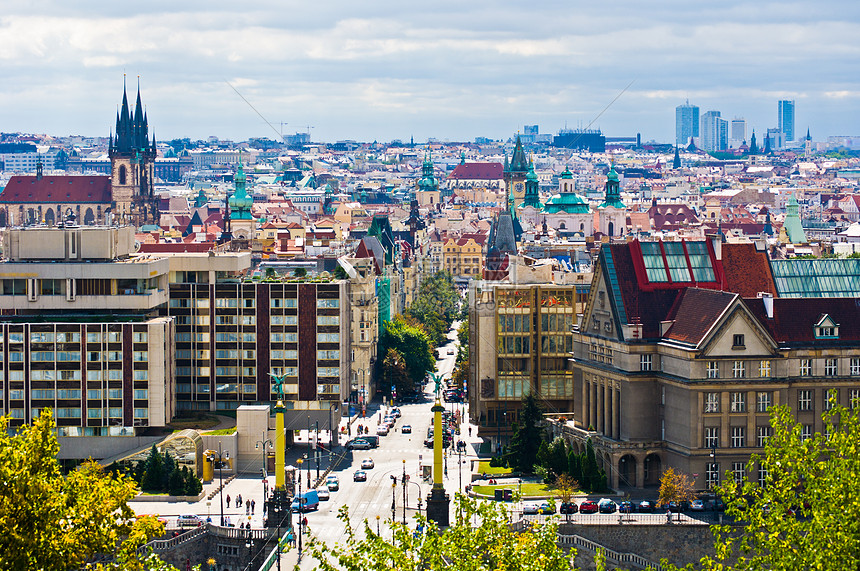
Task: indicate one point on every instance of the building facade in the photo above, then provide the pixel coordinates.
(785, 117)
(686, 123)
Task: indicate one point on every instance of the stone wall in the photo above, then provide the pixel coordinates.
(680, 544)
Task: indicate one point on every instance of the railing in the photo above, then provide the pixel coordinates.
(614, 556)
(167, 544)
(273, 556)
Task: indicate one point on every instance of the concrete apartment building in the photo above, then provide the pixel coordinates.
(81, 333)
(684, 346)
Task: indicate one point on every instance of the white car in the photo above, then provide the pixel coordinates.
(531, 508)
(323, 494)
(188, 520)
(367, 464)
(382, 430)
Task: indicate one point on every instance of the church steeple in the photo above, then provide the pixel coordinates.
(532, 197)
(753, 144)
(676, 163)
(613, 190)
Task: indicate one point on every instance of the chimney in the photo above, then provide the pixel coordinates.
(717, 243)
(767, 299)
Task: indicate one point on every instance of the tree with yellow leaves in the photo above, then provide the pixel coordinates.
(675, 487)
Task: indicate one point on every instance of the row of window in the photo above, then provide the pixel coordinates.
(75, 412)
(75, 375)
(738, 436)
(764, 400)
(805, 369)
(75, 394)
(250, 371)
(72, 337)
(234, 337)
(738, 469)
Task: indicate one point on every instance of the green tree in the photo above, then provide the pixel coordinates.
(395, 373)
(408, 340)
(807, 515)
(574, 465)
(489, 545)
(176, 484)
(153, 476)
(436, 306)
(593, 477)
(528, 434)
(54, 522)
(193, 485)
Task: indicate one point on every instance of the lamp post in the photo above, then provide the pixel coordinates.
(377, 525)
(249, 543)
(301, 505)
(713, 465)
(264, 443)
(308, 456)
(317, 448)
(332, 435)
(393, 490)
(220, 459)
(404, 491)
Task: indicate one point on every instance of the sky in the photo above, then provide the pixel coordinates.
(446, 70)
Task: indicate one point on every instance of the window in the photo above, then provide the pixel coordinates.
(831, 396)
(738, 471)
(328, 320)
(644, 362)
(804, 399)
(764, 400)
(141, 394)
(764, 369)
(853, 398)
(737, 341)
(738, 437)
(805, 367)
(762, 435)
(141, 413)
(739, 402)
(739, 369)
(830, 367)
(94, 413)
(712, 474)
(806, 431)
(69, 394)
(40, 337)
(712, 402)
(328, 303)
(114, 393)
(139, 337)
(42, 356)
(140, 356)
(855, 366)
(762, 476)
(328, 337)
(713, 369)
(712, 437)
(328, 354)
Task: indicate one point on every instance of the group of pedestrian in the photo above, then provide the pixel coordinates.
(250, 505)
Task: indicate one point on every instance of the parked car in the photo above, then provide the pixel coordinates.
(697, 506)
(546, 508)
(189, 520)
(607, 506)
(358, 444)
(589, 507)
(332, 483)
(568, 508)
(382, 430)
(323, 494)
(367, 464)
(646, 506)
(531, 508)
(406, 429)
(395, 412)
(626, 507)
(359, 476)
(676, 507)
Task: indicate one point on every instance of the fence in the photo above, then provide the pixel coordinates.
(630, 559)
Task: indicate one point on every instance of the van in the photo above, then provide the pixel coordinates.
(306, 501)
(372, 440)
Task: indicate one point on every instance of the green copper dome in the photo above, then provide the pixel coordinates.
(566, 174)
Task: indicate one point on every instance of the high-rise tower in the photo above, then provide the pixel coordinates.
(786, 119)
(132, 157)
(686, 123)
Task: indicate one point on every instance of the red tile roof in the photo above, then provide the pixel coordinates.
(747, 270)
(794, 318)
(477, 171)
(696, 313)
(57, 189)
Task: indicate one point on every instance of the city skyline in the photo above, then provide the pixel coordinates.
(449, 72)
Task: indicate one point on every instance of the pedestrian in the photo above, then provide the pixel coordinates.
(228, 500)
(305, 522)
(239, 501)
(470, 432)
(247, 507)
(253, 503)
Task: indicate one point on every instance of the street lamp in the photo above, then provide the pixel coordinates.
(301, 504)
(331, 431)
(713, 465)
(309, 454)
(249, 543)
(317, 448)
(377, 525)
(404, 491)
(220, 458)
(264, 443)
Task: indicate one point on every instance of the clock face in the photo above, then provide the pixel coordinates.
(518, 186)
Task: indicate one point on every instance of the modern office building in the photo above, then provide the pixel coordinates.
(714, 132)
(81, 332)
(686, 123)
(786, 119)
(738, 133)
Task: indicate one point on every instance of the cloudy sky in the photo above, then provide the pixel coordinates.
(442, 69)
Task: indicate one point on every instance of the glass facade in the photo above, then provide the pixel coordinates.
(816, 278)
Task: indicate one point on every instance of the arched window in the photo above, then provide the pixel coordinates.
(611, 229)
(122, 175)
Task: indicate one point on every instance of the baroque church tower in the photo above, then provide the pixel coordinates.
(516, 173)
(132, 157)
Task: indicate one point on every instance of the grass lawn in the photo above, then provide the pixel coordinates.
(485, 468)
(529, 489)
(223, 431)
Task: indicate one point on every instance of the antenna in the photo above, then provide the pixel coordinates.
(254, 108)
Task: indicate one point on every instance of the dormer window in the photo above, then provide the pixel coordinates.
(738, 341)
(826, 328)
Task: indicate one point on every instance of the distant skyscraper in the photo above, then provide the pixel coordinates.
(786, 119)
(739, 132)
(714, 132)
(686, 123)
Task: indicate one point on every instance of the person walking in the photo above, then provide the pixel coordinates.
(247, 507)
(253, 503)
(239, 501)
(228, 500)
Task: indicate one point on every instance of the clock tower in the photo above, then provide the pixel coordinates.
(516, 174)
